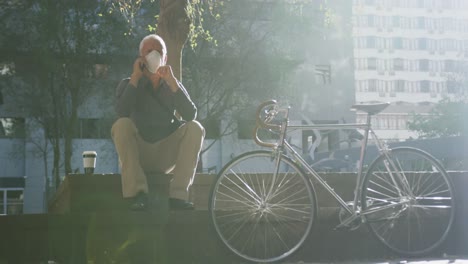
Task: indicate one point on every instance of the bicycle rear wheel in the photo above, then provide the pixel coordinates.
(408, 200)
(257, 216)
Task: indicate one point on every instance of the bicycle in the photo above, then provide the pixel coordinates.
(263, 203)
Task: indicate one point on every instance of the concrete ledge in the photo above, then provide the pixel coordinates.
(185, 237)
(81, 193)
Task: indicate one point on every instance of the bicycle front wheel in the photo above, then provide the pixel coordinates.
(259, 216)
(408, 201)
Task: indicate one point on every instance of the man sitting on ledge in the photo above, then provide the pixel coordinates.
(148, 136)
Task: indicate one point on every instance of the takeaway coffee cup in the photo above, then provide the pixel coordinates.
(89, 161)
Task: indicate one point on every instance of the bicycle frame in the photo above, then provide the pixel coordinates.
(284, 145)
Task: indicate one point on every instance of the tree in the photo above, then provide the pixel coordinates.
(252, 64)
(448, 117)
(54, 48)
(248, 67)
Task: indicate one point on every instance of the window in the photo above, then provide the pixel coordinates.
(402, 123)
(93, 128)
(380, 43)
(404, 22)
(447, 44)
(372, 64)
(447, 4)
(433, 66)
(398, 64)
(374, 122)
(422, 43)
(11, 201)
(382, 86)
(308, 137)
(425, 87)
(372, 86)
(382, 122)
(398, 43)
(450, 66)
(371, 21)
(212, 128)
(432, 44)
(361, 86)
(392, 122)
(370, 42)
(86, 128)
(396, 21)
(421, 22)
(420, 3)
(245, 128)
(12, 127)
(360, 64)
(400, 86)
(424, 65)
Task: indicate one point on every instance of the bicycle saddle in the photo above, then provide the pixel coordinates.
(371, 109)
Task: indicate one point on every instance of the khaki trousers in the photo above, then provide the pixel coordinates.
(178, 153)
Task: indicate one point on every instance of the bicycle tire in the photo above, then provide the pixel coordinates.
(418, 220)
(254, 225)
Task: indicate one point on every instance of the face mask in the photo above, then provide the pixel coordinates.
(153, 61)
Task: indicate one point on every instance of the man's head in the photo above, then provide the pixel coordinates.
(152, 42)
(153, 49)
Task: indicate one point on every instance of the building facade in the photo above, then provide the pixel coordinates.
(405, 53)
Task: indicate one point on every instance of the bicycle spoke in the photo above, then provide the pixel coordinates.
(387, 182)
(249, 190)
(258, 216)
(421, 197)
(245, 201)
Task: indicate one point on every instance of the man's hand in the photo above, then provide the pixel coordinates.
(138, 68)
(165, 73)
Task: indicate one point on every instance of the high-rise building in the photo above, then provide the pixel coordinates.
(405, 52)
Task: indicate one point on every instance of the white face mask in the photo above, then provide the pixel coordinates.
(153, 61)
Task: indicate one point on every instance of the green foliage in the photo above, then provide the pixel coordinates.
(447, 118)
(195, 10)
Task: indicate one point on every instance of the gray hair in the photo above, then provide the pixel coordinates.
(157, 38)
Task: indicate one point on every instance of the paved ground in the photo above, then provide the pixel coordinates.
(446, 260)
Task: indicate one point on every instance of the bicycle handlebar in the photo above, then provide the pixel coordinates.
(260, 123)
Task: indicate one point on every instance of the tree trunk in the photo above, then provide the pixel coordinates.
(72, 120)
(56, 171)
(174, 28)
(68, 139)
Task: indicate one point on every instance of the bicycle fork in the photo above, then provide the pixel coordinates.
(278, 152)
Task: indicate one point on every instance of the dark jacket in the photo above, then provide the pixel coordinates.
(152, 110)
